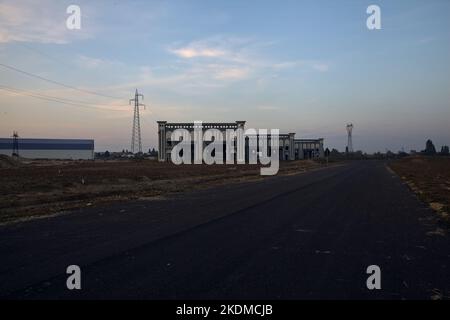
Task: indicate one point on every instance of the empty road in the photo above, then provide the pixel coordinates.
(307, 236)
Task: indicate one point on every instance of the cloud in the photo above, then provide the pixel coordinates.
(90, 62)
(219, 71)
(231, 73)
(232, 49)
(27, 21)
(286, 65)
(94, 63)
(312, 64)
(211, 64)
(322, 67)
(188, 79)
(217, 60)
(188, 52)
(425, 40)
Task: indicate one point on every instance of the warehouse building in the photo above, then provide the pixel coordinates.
(289, 147)
(63, 149)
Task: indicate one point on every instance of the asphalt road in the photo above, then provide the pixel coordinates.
(308, 236)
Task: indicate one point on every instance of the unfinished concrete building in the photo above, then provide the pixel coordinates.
(289, 147)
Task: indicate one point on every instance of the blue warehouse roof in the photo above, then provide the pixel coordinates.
(48, 144)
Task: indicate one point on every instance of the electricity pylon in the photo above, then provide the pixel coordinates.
(15, 152)
(136, 142)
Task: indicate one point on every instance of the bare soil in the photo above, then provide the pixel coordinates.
(30, 189)
(429, 178)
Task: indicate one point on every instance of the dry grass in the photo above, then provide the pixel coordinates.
(429, 178)
(40, 188)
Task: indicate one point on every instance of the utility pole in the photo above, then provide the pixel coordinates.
(136, 142)
(15, 151)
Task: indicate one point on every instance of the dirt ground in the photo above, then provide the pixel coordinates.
(40, 188)
(429, 177)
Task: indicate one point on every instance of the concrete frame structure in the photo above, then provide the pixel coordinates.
(309, 148)
(290, 148)
(165, 130)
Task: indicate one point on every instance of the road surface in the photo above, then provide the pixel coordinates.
(307, 236)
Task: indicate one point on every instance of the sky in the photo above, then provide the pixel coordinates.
(308, 67)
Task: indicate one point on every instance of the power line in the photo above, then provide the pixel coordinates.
(79, 102)
(55, 82)
(54, 99)
(44, 54)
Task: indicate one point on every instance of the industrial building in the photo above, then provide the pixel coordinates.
(75, 149)
(290, 148)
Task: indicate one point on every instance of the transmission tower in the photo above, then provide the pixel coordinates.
(349, 134)
(136, 143)
(15, 151)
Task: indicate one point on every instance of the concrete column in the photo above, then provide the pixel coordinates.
(162, 141)
(285, 144)
(291, 146)
(241, 124)
(300, 151)
(321, 151)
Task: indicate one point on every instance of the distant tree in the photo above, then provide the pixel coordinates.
(358, 154)
(390, 154)
(335, 153)
(445, 151)
(107, 154)
(378, 155)
(402, 154)
(429, 148)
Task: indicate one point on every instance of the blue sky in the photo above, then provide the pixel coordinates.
(301, 66)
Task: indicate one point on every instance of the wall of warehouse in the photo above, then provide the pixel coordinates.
(53, 154)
